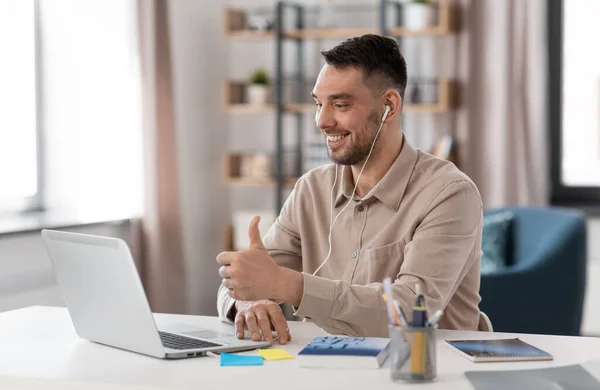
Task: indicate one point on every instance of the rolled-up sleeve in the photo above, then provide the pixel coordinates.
(444, 247)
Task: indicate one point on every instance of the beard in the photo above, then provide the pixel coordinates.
(359, 142)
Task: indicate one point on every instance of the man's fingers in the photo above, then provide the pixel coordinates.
(252, 325)
(228, 284)
(224, 271)
(280, 323)
(225, 258)
(264, 324)
(240, 322)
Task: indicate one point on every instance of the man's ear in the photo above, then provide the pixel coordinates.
(392, 98)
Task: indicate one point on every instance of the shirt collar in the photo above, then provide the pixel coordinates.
(391, 187)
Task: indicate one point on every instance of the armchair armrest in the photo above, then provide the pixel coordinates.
(536, 294)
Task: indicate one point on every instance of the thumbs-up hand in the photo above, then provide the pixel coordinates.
(250, 274)
(254, 234)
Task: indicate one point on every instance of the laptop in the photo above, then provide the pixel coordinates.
(105, 298)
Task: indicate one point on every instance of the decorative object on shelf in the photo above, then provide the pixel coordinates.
(258, 90)
(422, 90)
(259, 23)
(261, 166)
(430, 91)
(415, 93)
(418, 14)
(255, 166)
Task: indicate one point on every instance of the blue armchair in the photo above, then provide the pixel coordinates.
(542, 288)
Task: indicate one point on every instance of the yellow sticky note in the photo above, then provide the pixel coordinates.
(274, 354)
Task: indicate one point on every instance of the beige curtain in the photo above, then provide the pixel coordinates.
(507, 145)
(157, 236)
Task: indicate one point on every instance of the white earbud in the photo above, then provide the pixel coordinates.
(385, 114)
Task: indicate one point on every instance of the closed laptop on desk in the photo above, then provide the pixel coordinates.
(107, 304)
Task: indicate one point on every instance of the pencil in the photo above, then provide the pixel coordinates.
(393, 316)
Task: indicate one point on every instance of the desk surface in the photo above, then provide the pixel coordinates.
(41, 342)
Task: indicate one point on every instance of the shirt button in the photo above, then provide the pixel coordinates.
(361, 208)
(354, 254)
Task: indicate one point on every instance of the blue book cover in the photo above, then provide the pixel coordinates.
(373, 350)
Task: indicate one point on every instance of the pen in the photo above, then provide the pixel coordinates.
(392, 314)
(419, 315)
(387, 290)
(396, 316)
(435, 318)
(403, 320)
(418, 359)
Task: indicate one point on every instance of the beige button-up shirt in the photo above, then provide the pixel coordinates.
(421, 223)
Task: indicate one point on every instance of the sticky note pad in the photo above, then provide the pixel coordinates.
(228, 359)
(274, 354)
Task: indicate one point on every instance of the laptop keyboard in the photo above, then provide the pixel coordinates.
(174, 341)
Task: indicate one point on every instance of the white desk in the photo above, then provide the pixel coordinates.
(41, 342)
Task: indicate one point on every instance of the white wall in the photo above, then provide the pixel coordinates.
(27, 278)
(200, 64)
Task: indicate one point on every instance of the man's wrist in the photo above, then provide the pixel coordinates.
(290, 287)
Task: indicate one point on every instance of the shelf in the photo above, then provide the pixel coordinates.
(235, 23)
(234, 92)
(234, 172)
(249, 35)
(257, 182)
(448, 24)
(242, 108)
(234, 99)
(329, 33)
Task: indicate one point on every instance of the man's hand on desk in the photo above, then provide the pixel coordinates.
(260, 318)
(253, 275)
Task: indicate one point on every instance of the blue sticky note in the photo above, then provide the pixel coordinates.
(228, 359)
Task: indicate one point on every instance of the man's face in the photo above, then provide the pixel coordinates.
(346, 114)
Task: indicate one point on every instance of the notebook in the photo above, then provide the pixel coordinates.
(497, 350)
(345, 352)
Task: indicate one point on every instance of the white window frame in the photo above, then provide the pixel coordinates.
(35, 202)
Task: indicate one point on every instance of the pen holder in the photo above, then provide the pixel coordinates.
(413, 353)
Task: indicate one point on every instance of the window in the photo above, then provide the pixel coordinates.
(574, 38)
(20, 176)
(80, 84)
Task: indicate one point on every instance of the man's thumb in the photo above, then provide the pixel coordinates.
(254, 234)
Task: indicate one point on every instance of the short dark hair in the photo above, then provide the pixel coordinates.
(377, 56)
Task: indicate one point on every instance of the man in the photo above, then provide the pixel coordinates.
(404, 214)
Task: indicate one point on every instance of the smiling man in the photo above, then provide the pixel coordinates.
(382, 209)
